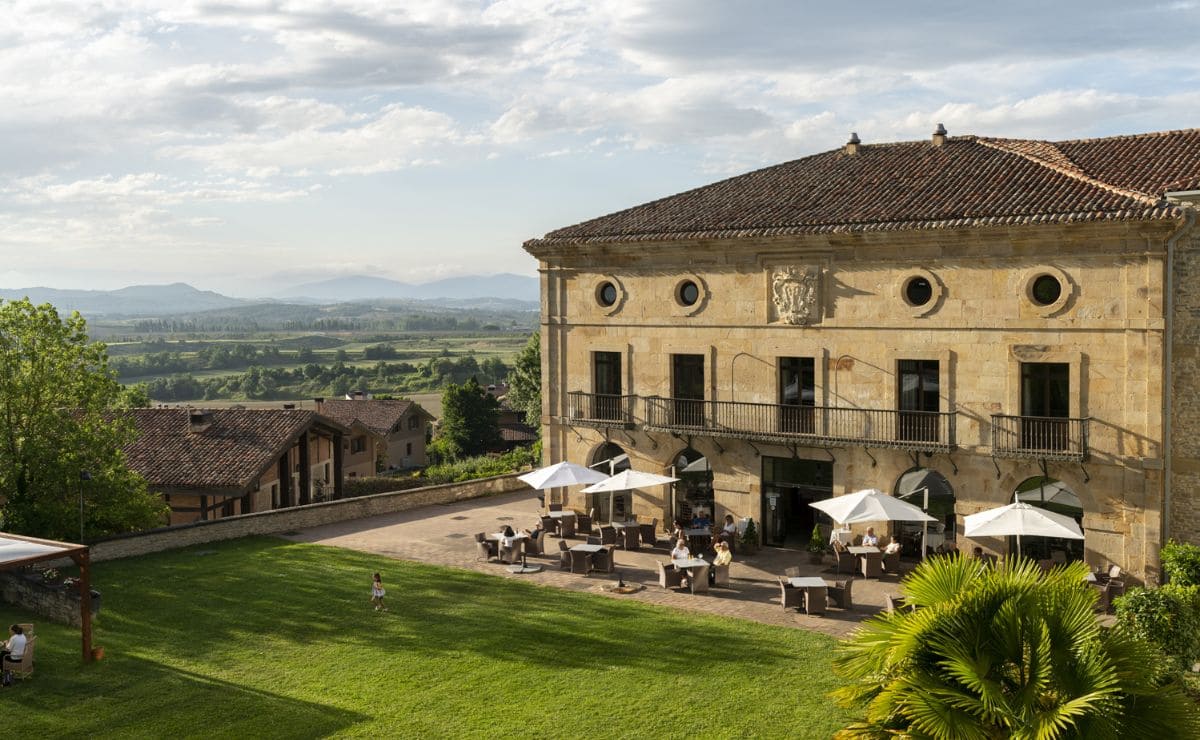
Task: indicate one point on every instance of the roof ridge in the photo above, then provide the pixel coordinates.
(1143, 135)
(1071, 169)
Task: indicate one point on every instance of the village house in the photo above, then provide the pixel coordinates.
(388, 433)
(962, 320)
(223, 462)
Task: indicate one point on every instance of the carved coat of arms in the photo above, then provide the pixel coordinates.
(794, 292)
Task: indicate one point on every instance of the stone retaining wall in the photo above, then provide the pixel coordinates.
(55, 602)
(299, 517)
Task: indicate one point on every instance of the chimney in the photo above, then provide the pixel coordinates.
(940, 135)
(851, 147)
(199, 420)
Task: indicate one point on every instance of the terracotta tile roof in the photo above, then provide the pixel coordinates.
(380, 416)
(231, 453)
(969, 181)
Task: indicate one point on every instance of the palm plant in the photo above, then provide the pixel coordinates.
(1005, 652)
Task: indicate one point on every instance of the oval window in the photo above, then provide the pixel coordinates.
(918, 291)
(606, 294)
(689, 293)
(1046, 290)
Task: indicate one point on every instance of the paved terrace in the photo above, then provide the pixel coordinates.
(444, 535)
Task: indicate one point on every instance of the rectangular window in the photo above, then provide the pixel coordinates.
(357, 445)
(606, 385)
(797, 394)
(414, 422)
(687, 389)
(408, 448)
(1045, 405)
(918, 400)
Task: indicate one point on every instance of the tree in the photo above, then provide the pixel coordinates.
(1006, 652)
(525, 381)
(470, 419)
(57, 397)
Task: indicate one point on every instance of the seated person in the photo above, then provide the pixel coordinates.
(701, 521)
(678, 532)
(507, 536)
(13, 649)
(870, 539)
(892, 547)
(681, 551)
(724, 556)
(533, 533)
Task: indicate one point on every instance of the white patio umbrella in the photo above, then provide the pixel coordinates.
(561, 474)
(1019, 519)
(1055, 492)
(870, 505)
(626, 480)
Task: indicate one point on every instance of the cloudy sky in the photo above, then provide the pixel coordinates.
(246, 146)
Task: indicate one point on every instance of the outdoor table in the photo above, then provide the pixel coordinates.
(566, 522)
(871, 559)
(699, 538)
(589, 549)
(498, 537)
(816, 593)
(630, 531)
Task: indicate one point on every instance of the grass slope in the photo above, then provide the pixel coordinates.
(263, 638)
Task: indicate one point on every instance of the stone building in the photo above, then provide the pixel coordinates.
(966, 319)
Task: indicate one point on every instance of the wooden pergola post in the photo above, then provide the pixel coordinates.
(84, 561)
(33, 550)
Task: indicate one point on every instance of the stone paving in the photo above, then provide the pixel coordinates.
(444, 535)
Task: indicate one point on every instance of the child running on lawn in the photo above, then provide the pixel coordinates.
(377, 593)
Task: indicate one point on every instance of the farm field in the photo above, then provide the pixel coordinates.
(268, 639)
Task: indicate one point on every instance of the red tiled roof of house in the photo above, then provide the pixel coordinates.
(380, 416)
(968, 181)
(232, 452)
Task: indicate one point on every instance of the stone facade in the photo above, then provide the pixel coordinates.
(55, 602)
(843, 304)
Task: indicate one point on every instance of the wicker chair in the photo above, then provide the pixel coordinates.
(649, 534)
(603, 560)
(839, 593)
(815, 600)
(792, 572)
(893, 604)
(608, 535)
(581, 562)
(699, 579)
(511, 554)
(23, 669)
(791, 598)
(668, 577)
(721, 575)
(583, 523)
(537, 546)
(844, 558)
(555, 507)
(891, 561)
(564, 556)
(550, 524)
(487, 548)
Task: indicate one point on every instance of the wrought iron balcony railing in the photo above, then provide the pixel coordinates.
(820, 426)
(1041, 437)
(599, 409)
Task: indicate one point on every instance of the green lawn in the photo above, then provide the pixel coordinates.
(264, 638)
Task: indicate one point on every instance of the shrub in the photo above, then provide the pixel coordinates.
(816, 543)
(750, 536)
(482, 466)
(1168, 616)
(1181, 563)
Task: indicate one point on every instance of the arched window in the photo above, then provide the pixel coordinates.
(1053, 495)
(694, 490)
(921, 486)
(610, 459)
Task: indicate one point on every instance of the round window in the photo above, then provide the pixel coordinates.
(918, 291)
(606, 294)
(1046, 290)
(689, 293)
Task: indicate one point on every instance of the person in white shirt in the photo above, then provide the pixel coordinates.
(869, 539)
(681, 551)
(14, 647)
(730, 528)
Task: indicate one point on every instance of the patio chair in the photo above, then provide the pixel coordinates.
(891, 561)
(1113, 572)
(581, 562)
(564, 556)
(608, 534)
(487, 548)
(23, 669)
(839, 593)
(550, 524)
(845, 558)
(893, 604)
(603, 561)
(649, 534)
(538, 546)
(792, 572)
(511, 554)
(1059, 557)
(555, 507)
(583, 523)
(815, 600)
(791, 598)
(721, 575)
(699, 579)
(668, 577)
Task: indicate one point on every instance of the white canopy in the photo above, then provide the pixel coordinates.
(870, 505)
(628, 479)
(1021, 519)
(561, 474)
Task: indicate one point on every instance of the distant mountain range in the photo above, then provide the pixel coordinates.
(504, 290)
(364, 287)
